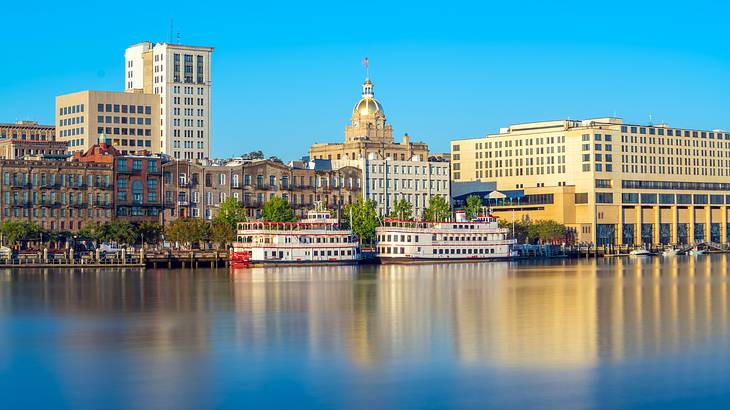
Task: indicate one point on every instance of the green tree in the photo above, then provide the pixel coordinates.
(123, 232)
(221, 232)
(364, 219)
(277, 210)
(149, 231)
(224, 225)
(188, 231)
(549, 230)
(402, 210)
(473, 206)
(437, 210)
(231, 212)
(18, 231)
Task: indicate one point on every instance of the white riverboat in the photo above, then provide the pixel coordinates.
(315, 240)
(461, 240)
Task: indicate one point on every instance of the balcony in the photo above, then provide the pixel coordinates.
(49, 186)
(129, 171)
(183, 203)
(154, 171)
(78, 186)
(21, 185)
(104, 186)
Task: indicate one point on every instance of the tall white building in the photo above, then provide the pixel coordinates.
(180, 75)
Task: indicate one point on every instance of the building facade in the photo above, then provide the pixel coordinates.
(181, 76)
(138, 188)
(613, 183)
(27, 130)
(386, 181)
(130, 121)
(193, 190)
(369, 134)
(57, 195)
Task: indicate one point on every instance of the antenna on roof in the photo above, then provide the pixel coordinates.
(178, 37)
(171, 21)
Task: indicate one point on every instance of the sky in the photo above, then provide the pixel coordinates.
(287, 74)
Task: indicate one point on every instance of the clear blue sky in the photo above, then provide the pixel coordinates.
(288, 74)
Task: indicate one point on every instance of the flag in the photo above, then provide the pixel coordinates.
(365, 62)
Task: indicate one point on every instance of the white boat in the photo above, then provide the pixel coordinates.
(670, 252)
(697, 252)
(317, 239)
(640, 252)
(461, 240)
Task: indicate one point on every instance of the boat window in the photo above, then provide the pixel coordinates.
(402, 250)
(433, 237)
(416, 237)
(402, 238)
(409, 238)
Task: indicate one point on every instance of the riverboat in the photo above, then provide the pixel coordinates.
(460, 240)
(315, 240)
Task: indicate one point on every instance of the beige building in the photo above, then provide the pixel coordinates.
(130, 121)
(613, 183)
(28, 139)
(369, 134)
(180, 75)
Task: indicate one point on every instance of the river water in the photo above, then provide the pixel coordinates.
(565, 334)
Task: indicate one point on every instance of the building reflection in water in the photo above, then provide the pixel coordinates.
(568, 314)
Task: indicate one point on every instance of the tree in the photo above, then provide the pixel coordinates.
(364, 219)
(254, 155)
(231, 212)
(224, 225)
(473, 206)
(123, 232)
(549, 231)
(149, 231)
(277, 210)
(188, 231)
(402, 210)
(276, 159)
(437, 210)
(221, 232)
(18, 231)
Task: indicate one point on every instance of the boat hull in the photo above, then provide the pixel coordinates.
(418, 260)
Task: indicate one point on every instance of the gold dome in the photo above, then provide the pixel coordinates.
(368, 106)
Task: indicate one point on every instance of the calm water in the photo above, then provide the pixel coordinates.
(571, 334)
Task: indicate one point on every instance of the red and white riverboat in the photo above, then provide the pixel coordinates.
(314, 240)
(460, 240)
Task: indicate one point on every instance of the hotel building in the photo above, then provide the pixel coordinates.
(180, 76)
(130, 121)
(613, 183)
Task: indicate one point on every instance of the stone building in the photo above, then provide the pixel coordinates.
(28, 139)
(193, 190)
(369, 134)
(57, 195)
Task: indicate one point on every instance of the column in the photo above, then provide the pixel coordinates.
(691, 224)
(673, 237)
(637, 227)
(657, 220)
(723, 224)
(620, 229)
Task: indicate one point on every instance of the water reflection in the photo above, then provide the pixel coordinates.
(569, 315)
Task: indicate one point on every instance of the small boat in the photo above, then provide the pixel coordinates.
(697, 252)
(670, 252)
(640, 252)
